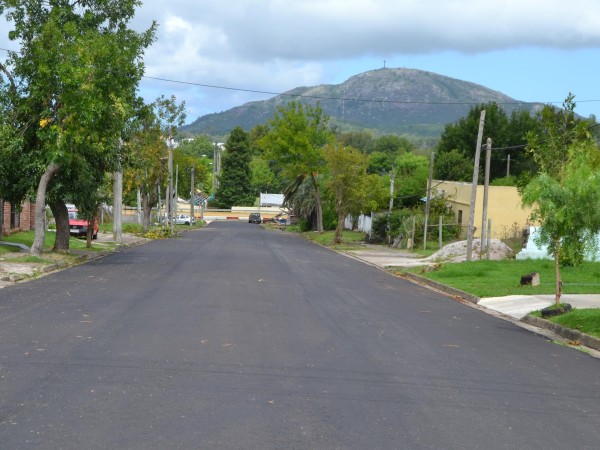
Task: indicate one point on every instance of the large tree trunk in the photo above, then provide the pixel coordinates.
(40, 210)
(318, 202)
(146, 211)
(340, 228)
(61, 217)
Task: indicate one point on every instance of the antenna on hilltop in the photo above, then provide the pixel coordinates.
(384, 63)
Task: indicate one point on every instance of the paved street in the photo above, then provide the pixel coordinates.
(234, 336)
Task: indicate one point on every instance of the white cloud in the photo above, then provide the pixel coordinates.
(276, 45)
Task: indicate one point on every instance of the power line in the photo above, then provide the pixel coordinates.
(319, 97)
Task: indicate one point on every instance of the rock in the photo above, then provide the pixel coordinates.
(531, 279)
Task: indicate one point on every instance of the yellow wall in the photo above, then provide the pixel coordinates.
(504, 207)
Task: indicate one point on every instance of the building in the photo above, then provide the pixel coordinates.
(14, 220)
(504, 209)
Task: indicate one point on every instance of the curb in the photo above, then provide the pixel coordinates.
(567, 333)
(440, 287)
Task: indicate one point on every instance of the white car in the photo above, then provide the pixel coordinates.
(182, 219)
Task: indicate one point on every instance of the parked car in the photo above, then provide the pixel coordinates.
(254, 218)
(79, 227)
(181, 219)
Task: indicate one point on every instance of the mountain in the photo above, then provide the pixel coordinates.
(403, 101)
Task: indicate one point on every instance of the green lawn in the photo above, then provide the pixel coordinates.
(349, 238)
(26, 237)
(499, 278)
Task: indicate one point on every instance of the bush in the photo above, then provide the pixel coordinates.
(133, 228)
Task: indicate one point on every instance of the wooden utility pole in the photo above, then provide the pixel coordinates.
(192, 196)
(486, 187)
(428, 198)
(391, 206)
(470, 229)
(169, 199)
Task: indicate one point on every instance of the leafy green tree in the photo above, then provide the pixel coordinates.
(351, 185)
(295, 143)
(380, 163)
(460, 139)
(412, 172)
(145, 171)
(199, 146)
(78, 68)
(453, 166)
(361, 140)
(264, 179)
(393, 145)
(569, 180)
(235, 181)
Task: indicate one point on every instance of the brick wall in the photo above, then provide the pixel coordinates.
(26, 218)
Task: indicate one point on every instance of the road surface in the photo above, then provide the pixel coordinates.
(233, 336)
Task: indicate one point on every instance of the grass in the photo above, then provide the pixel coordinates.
(26, 237)
(350, 239)
(499, 278)
(585, 320)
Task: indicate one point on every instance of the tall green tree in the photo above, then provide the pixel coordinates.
(567, 184)
(78, 68)
(295, 144)
(235, 186)
(354, 190)
(412, 172)
(458, 141)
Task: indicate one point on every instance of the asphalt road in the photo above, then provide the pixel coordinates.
(238, 337)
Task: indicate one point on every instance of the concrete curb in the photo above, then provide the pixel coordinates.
(440, 287)
(567, 333)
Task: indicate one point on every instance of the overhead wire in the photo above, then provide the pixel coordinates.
(343, 99)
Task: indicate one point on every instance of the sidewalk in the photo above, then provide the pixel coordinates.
(12, 271)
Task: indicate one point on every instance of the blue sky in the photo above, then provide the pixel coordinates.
(531, 50)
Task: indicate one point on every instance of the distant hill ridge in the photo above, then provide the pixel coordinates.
(408, 102)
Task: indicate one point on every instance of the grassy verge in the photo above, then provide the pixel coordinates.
(350, 239)
(499, 278)
(26, 238)
(585, 320)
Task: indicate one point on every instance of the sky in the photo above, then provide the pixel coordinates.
(214, 51)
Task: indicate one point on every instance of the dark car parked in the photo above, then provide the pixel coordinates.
(254, 218)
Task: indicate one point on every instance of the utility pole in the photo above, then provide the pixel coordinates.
(169, 200)
(508, 166)
(176, 196)
(391, 205)
(428, 198)
(486, 186)
(474, 187)
(192, 196)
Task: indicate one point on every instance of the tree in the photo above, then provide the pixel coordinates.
(235, 181)
(350, 184)
(144, 171)
(78, 69)
(294, 143)
(453, 165)
(460, 140)
(568, 182)
(393, 145)
(169, 116)
(412, 172)
(362, 140)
